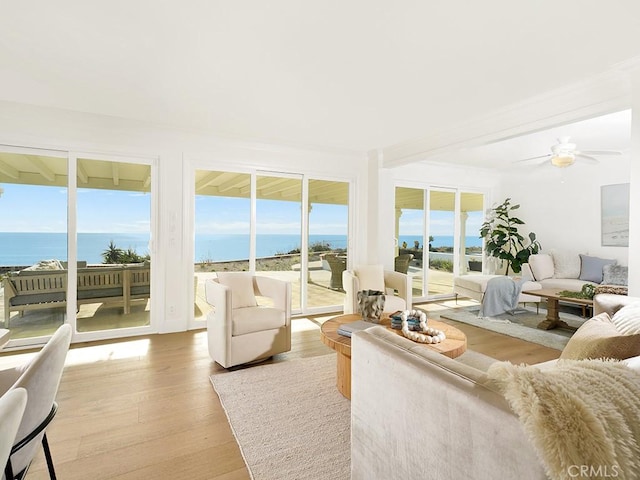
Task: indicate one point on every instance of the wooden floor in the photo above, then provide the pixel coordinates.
(145, 408)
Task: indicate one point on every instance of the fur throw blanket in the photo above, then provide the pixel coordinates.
(582, 416)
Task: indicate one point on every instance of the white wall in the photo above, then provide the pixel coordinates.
(634, 194)
(29, 126)
(562, 206)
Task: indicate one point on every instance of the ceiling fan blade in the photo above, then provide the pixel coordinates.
(587, 158)
(532, 158)
(601, 152)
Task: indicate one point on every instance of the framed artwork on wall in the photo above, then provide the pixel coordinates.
(614, 203)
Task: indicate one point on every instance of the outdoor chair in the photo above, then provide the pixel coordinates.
(395, 285)
(40, 378)
(337, 264)
(239, 330)
(12, 405)
(402, 262)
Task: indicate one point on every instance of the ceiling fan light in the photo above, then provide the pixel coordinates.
(563, 160)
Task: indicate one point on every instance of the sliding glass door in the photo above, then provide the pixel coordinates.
(410, 227)
(256, 222)
(442, 239)
(279, 230)
(328, 233)
(222, 229)
(98, 279)
(450, 220)
(113, 285)
(471, 218)
(33, 241)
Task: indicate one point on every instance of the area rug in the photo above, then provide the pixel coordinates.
(521, 325)
(289, 419)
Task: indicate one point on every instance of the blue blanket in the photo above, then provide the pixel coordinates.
(500, 296)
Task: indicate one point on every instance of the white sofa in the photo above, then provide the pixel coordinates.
(555, 270)
(416, 414)
(474, 286)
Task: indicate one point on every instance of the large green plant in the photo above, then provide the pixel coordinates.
(502, 239)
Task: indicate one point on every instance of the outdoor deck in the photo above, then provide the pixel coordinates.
(101, 317)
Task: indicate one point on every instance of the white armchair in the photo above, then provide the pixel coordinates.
(238, 329)
(374, 277)
(12, 405)
(40, 377)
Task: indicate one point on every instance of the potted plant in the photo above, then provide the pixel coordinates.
(502, 239)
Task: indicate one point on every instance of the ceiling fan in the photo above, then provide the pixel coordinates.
(564, 154)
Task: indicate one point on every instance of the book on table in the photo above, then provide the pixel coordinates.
(347, 329)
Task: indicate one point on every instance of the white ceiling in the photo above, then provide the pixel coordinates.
(355, 75)
(606, 132)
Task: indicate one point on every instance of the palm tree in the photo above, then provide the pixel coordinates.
(112, 254)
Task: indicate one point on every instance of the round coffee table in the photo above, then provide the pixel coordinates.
(453, 346)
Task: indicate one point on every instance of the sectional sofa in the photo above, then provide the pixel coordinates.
(571, 271)
(557, 269)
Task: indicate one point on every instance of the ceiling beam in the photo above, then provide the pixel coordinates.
(115, 173)
(243, 181)
(278, 188)
(147, 180)
(40, 166)
(82, 174)
(289, 191)
(9, 171)
(269, 183)
(207, 180)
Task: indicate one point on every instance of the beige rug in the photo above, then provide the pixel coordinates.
(289, 419)
(522, 325)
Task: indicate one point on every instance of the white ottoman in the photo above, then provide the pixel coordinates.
(474, 286)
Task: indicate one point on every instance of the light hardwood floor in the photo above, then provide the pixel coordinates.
(144, 408)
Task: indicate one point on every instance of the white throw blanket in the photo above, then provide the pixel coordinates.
(583, 417)
(500, 296)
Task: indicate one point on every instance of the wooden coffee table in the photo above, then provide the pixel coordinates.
(453, 346)
(553, 319)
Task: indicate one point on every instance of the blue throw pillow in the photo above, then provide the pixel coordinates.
(591, 268)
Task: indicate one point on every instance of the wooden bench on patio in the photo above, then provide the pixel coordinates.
(39, 289)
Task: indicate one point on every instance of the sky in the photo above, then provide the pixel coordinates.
(232, 215)
(440, 223)
(31, 208)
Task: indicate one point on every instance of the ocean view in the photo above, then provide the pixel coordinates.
(27, 248)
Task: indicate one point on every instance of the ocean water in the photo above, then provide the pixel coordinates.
(27, 248)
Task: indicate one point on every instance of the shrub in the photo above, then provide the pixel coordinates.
(114, 254)
(443, 265)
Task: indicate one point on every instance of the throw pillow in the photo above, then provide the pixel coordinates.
(565, 264)
(241, 286)
(541, 265)
(598, 337)
(613, 274)
(591, 268)
(627, 319)
(371, 277)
